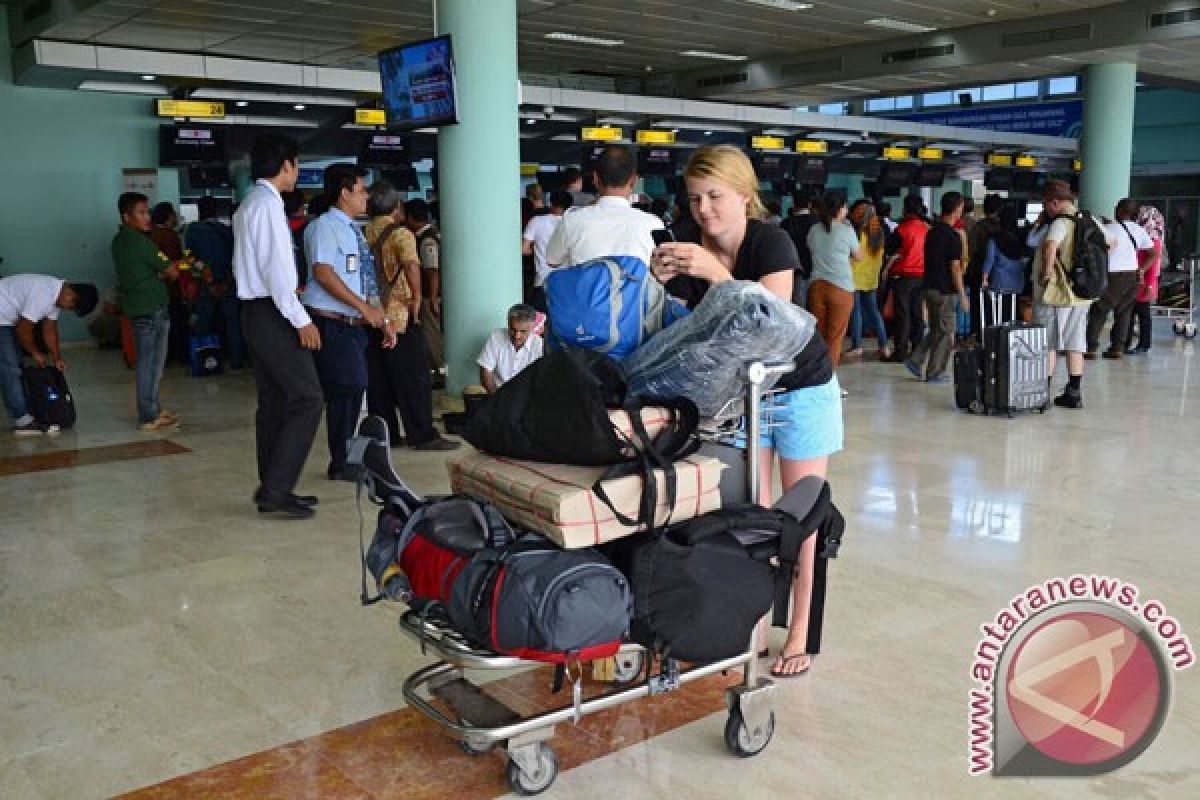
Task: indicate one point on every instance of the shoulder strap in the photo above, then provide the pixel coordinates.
(1132, 241)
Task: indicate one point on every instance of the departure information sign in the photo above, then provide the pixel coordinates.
(767, 142)
(197, 109)
(655, 137)
(603, 134)
(370, 116)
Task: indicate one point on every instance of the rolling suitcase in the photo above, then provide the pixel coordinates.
(1009, 369)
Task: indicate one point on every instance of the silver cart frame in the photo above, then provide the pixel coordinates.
(1181, 316)
(484, 724)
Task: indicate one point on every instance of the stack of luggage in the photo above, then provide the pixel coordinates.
(586, 518)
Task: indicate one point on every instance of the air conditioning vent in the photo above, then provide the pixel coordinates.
(813, 67)
(1180, 17)
(1047, 36)
(918, 53)
(721, 80)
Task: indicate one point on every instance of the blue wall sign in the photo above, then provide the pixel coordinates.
(1059, 118)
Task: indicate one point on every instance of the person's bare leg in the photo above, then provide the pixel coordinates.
(793, 659)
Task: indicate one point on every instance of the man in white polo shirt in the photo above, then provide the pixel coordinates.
(536, 238)
(611, 226)
(1131, 255)
(508, 351)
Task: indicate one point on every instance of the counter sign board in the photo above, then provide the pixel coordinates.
(196, 109)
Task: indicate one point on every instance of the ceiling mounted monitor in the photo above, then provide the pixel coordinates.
(932, 175)
(1000, 180)
(656, 161)
(385, 150)
(191, 145)
(418, 84)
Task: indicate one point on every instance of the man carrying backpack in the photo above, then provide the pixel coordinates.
(1057, 302)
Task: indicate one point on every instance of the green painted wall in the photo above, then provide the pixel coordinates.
(61, 155)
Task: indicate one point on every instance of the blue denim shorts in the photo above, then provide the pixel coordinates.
(804, 423)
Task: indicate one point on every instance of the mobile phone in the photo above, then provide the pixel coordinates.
(662, 236)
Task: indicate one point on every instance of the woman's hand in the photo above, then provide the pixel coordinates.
(685, 258)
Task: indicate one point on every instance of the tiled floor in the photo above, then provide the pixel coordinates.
(152, 625)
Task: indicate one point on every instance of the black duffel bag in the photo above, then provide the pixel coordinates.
(700, 587)
(536, 601)
(49, 397)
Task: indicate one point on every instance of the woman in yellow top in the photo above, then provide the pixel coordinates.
(871, 236)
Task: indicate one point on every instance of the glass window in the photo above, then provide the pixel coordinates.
(1067, 85)
(881, 104)
(804, 108)
(974, 94)
(832, 108)
(904, 102)
(1027, 89)
(937, 99)
(1004, 91)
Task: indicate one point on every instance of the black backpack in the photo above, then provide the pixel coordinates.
(536, 601)
(701, 587)
(49, 397)
(556, 411)
(1088, 274)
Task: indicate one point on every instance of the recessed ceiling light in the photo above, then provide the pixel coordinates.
(530, 121)
(708, 133)
(579, 39)
(299, 106)
(714, 56)
(899, 25)
(243, 103)
(782, 5)
(149, 77)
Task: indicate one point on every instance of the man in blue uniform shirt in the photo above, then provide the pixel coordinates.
(342, 299)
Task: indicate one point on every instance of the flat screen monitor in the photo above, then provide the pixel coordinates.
(774, 167)
(656, 161)
(418, 84)
(404, 178)
(812, 171)
(1028, 182)
(591, 154)
(1000, 180)
(311, 177)
(931, 175)
(187, 145)
(215, 177)
(385, 150)
(896, 174)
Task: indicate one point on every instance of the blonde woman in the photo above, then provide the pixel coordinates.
(871, 235)
(731, 241)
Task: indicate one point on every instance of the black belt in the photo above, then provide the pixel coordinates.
(345, 319)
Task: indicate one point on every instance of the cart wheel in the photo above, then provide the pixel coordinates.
(744, 742)
(628, 667)
(527, 785)
(1177, 326)
(1189, 330)
(473, 750)
(977, 407)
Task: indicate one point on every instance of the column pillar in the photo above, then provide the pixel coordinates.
(479, 181)
(1109, 93)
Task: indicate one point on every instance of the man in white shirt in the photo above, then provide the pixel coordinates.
(611, 226)
(508, 351)
(25, 301)
(534, 241)
(279, 333)
(1131, 255)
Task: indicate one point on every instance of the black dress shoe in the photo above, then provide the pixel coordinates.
(303, 499)
(342, 474)
(438, 443)
(289, 506)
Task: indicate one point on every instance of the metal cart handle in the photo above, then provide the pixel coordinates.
(756, 374)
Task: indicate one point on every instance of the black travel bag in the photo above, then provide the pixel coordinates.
(49, 397)
(536, 601)
(701, 587)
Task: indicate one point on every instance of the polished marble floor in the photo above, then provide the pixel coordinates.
(153, 626)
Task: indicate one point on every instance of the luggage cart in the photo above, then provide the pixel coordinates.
(481, 723)
(1182, 316)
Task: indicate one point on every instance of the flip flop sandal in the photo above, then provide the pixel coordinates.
(775, 673)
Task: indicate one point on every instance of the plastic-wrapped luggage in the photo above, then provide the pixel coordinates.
(701, 357)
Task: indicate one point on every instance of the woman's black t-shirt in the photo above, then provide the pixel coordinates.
(766, 249)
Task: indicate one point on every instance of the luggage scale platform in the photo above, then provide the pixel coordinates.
(482, 723)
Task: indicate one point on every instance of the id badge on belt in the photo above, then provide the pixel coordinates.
(352, 263)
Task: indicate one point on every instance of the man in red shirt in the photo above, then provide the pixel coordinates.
(905, 271)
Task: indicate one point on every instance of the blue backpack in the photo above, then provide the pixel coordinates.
(610, 305)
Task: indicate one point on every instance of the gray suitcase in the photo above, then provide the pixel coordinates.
(1014, 365)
